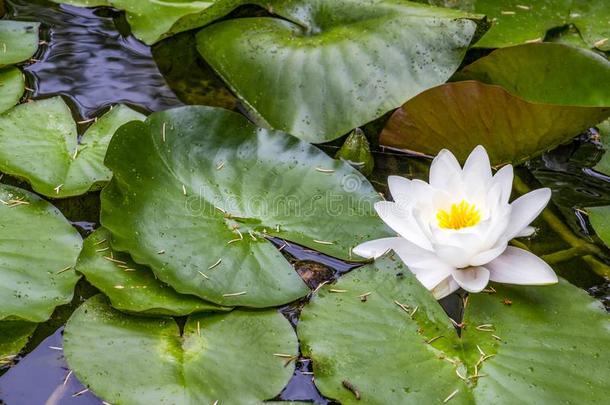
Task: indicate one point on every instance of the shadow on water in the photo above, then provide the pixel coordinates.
(89, 57)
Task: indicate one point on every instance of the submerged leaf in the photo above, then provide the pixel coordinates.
(234, 358)
(38, 142)
(132, 287)
(403, 349)
(206, 189)
(39, 251)
(328, 67)
(461, 115)
(603, 165)
(600, 220)
(14, 336)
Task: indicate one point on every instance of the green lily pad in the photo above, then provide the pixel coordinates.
(18, 41)
(14, 335)
(461, 115)
(333, 66)
(130, 286)
(230, 358)
(206, 189)
(600, 220)
(38, 142)
(547, 73)
(13, 86)
(529, 344)
(38, 254)
(517, 21)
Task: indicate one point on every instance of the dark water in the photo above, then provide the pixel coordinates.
(89, 57)
(89, 61)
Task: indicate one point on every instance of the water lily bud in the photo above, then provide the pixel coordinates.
(356, 152)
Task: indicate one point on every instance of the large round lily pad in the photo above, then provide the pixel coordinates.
(234, 358)
(132, 287)
(18, 41)
(461, 115)
(521, 344)
(39, 142)
(14, 336)
(205, 189)
(517, 21)
(547, 73)
(37, 256)
(328, 67)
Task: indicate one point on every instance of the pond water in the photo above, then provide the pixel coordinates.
(89, 57)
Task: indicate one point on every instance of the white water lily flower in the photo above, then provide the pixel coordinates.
(454, 231)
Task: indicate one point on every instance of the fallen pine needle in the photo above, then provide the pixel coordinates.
(454, 393)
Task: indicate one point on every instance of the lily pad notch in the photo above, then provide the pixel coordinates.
(405, 349)
(367, 58)
(234, 358)
(207, 188)
(48, 152)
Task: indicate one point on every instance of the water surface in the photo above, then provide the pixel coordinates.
(89, 57)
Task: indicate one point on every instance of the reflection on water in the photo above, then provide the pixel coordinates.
(43, 377)
(90, 58)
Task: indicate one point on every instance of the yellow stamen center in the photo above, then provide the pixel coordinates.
(460, 216)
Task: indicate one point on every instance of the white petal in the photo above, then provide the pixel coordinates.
(455, 248)
(525, 209)
(518, 266)
(527, 231)
(495, 226)
(376, 248)
(477, 169)
(415, 257)
(488, 255)
(402, 221)
(504, 177)
(455, 256)
(400, 189)
(445, 171)
(419, 259)
(431, 276)
(428, 269)
(472, 279)
(406, 192)
(444, 288)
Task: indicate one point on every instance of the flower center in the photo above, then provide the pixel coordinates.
(460, 216)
